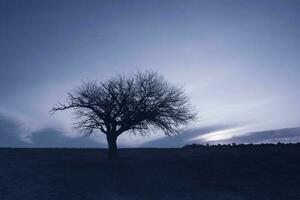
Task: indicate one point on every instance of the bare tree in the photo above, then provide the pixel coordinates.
(135, 104)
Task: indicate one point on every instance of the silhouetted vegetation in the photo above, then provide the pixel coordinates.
(136, 104)
(239, 146)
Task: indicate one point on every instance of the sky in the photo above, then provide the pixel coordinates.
(238, 60)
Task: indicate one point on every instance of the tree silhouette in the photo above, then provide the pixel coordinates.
(136, 104)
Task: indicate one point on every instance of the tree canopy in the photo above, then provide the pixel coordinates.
(138, 103)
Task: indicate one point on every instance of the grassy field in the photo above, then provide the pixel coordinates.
(198, 173)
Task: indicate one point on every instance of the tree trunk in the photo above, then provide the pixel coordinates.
(112, 147)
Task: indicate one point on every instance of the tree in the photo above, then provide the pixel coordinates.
(135, 104)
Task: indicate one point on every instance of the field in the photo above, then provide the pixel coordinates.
(233, 173)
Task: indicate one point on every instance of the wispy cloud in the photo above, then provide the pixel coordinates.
(220, 134)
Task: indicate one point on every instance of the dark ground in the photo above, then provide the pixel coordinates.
(198, 173)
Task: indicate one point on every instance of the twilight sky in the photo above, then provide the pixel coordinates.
(239, 60)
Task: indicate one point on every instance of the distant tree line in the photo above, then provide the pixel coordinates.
(234, 145)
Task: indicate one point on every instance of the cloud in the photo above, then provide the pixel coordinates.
(49, 137)
(271, 136)
(185, 137)
(10, 132)
(199, 136)
(12, 135)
